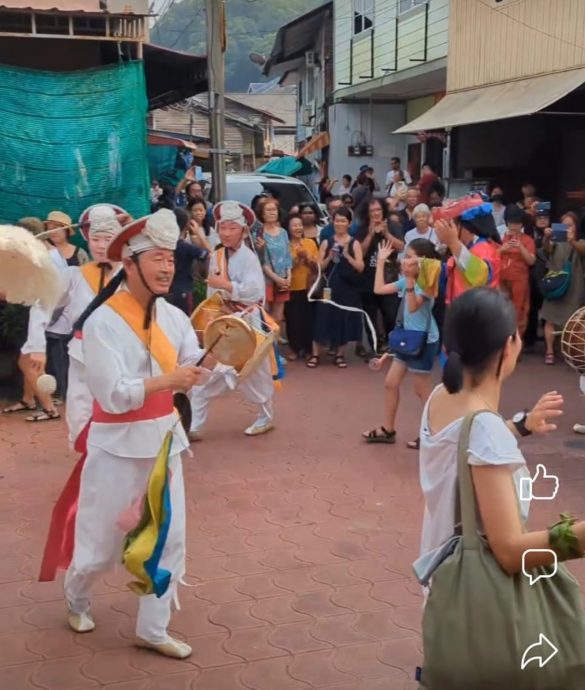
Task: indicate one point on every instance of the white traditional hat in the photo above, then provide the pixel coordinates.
(101, 219)
(234, 212)
(157, 231)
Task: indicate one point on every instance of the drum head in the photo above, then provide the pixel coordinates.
(231, 339)
(206, 312)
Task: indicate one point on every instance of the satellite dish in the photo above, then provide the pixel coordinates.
(258, 59)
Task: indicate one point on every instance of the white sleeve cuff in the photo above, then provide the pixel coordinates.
(463, 259)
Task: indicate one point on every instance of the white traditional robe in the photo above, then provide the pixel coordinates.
(121, 455)
(76, 296)
(247, 278)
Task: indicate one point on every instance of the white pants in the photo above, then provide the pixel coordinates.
(109, 485)
(257, 388)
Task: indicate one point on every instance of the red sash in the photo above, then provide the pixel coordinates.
(61, 539)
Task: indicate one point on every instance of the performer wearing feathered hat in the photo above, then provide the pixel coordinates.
(467, 228)
(235, 272)
(141, 349)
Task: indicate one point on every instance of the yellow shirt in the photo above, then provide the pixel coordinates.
(301, 272)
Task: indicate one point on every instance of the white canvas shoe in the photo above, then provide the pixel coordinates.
(174, 649)
(257, 429)
(80, 622)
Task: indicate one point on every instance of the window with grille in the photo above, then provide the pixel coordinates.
(363, 16)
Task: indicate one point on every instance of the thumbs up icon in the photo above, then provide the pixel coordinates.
(541, 487)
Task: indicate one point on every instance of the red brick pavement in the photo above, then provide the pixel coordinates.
(300, 547)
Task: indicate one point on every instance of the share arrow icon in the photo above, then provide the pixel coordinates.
(542, 651)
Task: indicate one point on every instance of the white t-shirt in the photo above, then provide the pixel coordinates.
(391, 174)
(490, 443)
(414, 234)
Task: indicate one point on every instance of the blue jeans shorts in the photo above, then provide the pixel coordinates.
(423, 364)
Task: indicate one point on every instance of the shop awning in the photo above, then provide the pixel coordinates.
(496, 102)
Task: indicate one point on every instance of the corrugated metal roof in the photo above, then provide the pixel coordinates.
(180, 120)
(283, 106)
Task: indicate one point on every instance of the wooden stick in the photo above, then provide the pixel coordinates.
(209, 349)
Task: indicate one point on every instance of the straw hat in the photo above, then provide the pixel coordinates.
(60, 218)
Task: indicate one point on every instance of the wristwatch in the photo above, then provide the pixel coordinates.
(519, 421)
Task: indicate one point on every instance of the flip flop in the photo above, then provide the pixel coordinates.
(44, 416)
(20, 406)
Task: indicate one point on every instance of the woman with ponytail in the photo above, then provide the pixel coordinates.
(482, 343)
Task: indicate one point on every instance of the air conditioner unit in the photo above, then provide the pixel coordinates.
(310, 59)
(307, 115)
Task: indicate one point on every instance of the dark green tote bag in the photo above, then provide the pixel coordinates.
(478, 621)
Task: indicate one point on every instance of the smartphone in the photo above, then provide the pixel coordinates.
(559, 232)
(542, 208)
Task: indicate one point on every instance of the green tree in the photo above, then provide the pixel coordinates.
(251, 27)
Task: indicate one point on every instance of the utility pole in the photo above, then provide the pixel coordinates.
(216, 46)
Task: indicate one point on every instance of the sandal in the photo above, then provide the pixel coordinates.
(414, 445)
(549, 358)
(44, 416)
(380, 435)
(20, 406)
(340, 362)
(312, 362)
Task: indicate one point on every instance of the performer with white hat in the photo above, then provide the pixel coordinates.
(236, 273)
(98, 224)
(141, 349)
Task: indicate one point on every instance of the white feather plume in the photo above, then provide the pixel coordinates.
(27, 272)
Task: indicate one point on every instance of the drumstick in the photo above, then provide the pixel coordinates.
(209, 349)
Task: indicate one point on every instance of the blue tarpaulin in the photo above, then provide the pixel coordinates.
(72, 139)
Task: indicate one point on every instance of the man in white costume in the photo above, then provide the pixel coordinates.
(99, 224)
(236, 273)
(141, 349)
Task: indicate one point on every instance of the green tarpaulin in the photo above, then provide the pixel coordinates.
(161, 164)
(72, 139)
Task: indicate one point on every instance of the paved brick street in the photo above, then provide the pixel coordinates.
(300, 547)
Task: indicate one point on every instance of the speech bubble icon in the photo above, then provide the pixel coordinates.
(535, 577)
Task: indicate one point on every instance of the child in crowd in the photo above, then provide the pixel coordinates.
(518, 252)
(415, 314)
(297, 311)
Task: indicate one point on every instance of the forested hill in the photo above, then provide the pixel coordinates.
(252, 26)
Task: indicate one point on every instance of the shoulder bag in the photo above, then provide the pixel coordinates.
(407, 342)
(480, 625)
(555, 284)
